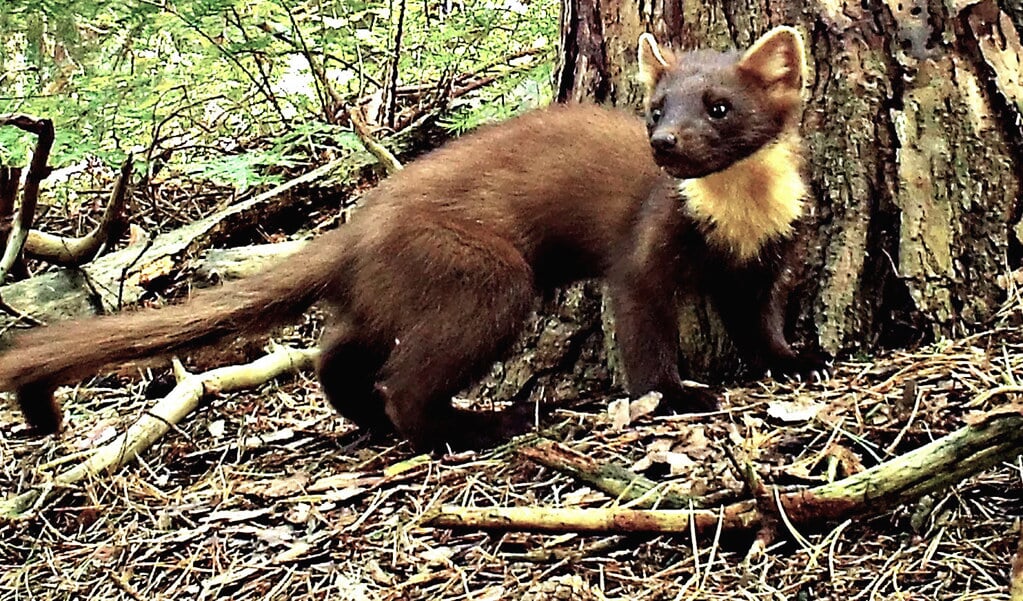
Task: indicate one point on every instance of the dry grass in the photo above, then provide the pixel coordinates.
(269, 495)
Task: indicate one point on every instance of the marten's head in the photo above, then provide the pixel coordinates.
(706, 110)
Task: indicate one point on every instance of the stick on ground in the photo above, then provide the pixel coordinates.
(168, 411)
(985, 442)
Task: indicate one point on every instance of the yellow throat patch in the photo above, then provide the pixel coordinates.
(754, 200)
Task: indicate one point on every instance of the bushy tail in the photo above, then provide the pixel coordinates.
(40, 359)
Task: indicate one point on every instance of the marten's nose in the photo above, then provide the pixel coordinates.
(663, 141)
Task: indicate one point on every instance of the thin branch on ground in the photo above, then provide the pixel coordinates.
(167, 412)
(67, 251)
(987, 441)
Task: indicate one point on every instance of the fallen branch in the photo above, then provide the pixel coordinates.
(568, 519)
(66, 251)
(10, 181)
(992, 439)
(613, 479)
(37, 172)
(168, 411)
(386, 158)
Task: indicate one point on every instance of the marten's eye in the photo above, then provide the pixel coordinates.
(718, 109)
(656, 113)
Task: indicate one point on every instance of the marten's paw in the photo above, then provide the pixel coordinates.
(487, 429)
(689, 399)
(808, 366)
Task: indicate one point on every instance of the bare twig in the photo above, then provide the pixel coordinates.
(168, 411)
(613, 479)
(995, 438)
(392, 84)
(76, 251)
(386, 157)
(38, 170)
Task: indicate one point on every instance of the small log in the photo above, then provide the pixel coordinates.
(219, 264)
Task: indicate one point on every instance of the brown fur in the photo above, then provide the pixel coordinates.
(437, 273)
(428, 284)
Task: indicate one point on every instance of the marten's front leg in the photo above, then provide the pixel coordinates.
(647, 336)
(751, 304)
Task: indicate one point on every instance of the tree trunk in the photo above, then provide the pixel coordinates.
(914, 142)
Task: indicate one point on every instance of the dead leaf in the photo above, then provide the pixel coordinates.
(344, 494)
(242, 515)
(276, 536)
(644, 405)
(582, 497)
(216, 428)
(299, 514)
(292, 553)
(276, 488)
(849, 462)
(618, 411)
(136, 234)
(101, 434)
(345, 480)
(802, 410)
(679, 463)
(438, 555)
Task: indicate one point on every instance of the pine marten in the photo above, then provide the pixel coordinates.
(724, 126)
(436, 275)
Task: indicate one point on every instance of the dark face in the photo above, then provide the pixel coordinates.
(705, 115)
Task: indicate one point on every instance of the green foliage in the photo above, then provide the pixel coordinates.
(225, 86)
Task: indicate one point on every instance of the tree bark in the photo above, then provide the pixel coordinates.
(914, 142)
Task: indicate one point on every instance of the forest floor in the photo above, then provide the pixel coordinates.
(268, 494)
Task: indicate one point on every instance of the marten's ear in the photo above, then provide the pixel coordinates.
(654, 62)
(776, 59)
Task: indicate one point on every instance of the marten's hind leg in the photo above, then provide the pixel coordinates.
(466, 314)
(41, 410)
(348, 368)
(431, 365)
